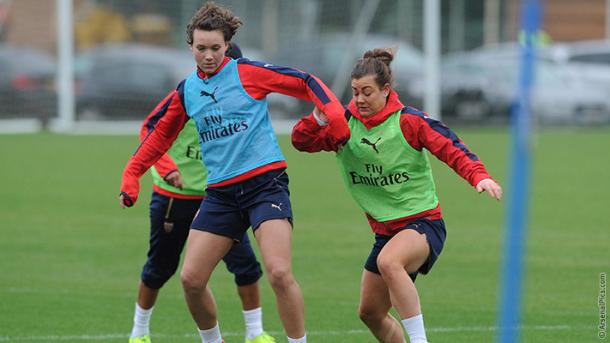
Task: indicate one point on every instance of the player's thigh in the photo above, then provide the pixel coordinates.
(274, 239)
(203, 252)
(408, 248)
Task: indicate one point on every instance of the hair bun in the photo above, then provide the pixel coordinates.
(384, 55)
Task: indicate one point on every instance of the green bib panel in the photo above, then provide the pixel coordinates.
(186, 153)
(385, 175)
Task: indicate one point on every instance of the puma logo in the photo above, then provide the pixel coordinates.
(367, 142)
(279, 207)
(211, 95)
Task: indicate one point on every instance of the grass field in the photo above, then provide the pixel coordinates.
(70, 258)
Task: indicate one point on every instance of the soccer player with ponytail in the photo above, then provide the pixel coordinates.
(385, 168)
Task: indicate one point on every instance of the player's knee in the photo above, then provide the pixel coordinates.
(154, 282)
(247, 279)
(280, 277)
(369, 315)
(190, 283)
(388, 267)
(246, 274)
(156, 276)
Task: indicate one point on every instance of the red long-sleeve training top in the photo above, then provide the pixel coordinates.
(419, 130)
(258, 80)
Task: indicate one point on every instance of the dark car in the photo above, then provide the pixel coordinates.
(27, 78)
(323, 58)
(127, 81)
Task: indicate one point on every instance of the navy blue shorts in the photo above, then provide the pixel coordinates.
(435, 235)
(170, 219)
(229, 210)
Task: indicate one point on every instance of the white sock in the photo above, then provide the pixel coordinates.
(211, 335)
(415, 329)
(254, 323)
(141, 320)
(298, 340)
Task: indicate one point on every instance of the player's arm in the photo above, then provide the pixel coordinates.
(165, 166)
(153, 146)
(421, 131)
(260, 79)
(312, 134)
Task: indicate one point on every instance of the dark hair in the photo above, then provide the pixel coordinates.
(211, 17)
(375, 62)
(234, 51)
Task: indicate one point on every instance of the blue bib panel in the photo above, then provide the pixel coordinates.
(235, 130)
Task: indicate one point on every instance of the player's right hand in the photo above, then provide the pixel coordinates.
(130, 188)
(320, 116)
(123, 201)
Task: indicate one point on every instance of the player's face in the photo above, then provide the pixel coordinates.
(368, 96)
(209, 49)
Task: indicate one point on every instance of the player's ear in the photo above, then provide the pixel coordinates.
(386, 89)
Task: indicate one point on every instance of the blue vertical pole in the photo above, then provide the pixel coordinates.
(517, 213)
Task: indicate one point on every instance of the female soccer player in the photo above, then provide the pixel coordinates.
(247, 181)
(387, 171)
(179, 179)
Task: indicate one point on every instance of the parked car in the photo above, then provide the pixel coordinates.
(589, 52)
(127, 81)
(323, 56)
(481, 85)
(27, 83)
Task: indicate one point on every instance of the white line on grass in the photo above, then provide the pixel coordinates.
(237, 334)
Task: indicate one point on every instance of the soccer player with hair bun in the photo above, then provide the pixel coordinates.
(385, 168)
(247, 180)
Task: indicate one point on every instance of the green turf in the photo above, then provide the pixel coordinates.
(70, 258)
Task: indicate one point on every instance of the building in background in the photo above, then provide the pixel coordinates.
(271, 24)
(275, 27)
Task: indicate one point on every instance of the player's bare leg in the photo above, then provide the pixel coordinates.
(147, 297)
(143, 311)
(374, 309)
(203, 252)
(249, 296)
(403, 254)
(274, 238)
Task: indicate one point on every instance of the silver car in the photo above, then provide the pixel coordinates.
(482, 85)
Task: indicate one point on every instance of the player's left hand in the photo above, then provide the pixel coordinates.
(493, 189)
(130, 188)
(174, 178)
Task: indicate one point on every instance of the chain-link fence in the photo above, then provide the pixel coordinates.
(129, 54)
